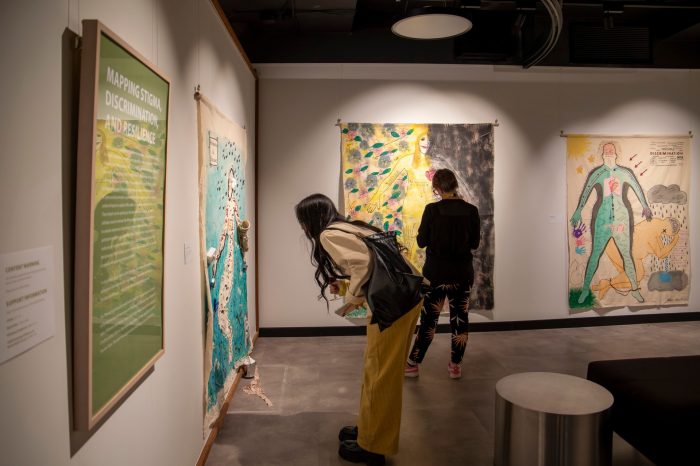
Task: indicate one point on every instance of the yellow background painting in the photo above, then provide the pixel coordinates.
(387, 172)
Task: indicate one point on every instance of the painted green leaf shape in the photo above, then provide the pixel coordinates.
(395, 195)
(396, 186)
(369, 154)
(384, 153)
(364, 168)
(389, 216)
(357, 208)
(399, 209)
(385, 204)
(404, 178)
(409, 131)
(398, 233)
(357, 138)
(395, 134)
(386, 226)
(386, 171)
(349, 170)
(374, 173)
(395, 150)
(346, 130)
(377, 145)
(370, 190)
(354, 190)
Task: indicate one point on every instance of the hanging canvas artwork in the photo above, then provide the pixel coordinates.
(387, 173)
(628, 220)
(222, 228)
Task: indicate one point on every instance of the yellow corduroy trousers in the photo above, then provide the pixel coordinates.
(382, 385)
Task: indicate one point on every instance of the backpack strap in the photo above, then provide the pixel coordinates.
(344, 230)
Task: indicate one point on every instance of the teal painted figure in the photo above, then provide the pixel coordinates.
(612, 217)
(226, 270)
(228, 231)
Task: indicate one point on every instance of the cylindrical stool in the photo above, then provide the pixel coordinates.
(547, 419)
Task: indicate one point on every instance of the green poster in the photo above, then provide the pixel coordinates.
(128, 212)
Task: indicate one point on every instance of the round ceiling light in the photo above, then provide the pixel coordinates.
(427, 23)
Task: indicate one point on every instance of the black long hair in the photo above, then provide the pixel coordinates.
(315, 213)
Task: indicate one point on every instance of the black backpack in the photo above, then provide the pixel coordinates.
(392, 289)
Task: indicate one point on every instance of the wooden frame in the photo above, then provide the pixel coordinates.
(130, 338)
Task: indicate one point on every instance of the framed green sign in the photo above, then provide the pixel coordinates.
(120, 212)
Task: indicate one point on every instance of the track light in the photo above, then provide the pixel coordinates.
(613, 8)
(526, 5)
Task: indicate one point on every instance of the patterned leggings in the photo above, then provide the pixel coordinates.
(457, 296)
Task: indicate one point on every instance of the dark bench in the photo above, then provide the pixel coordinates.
(657, 405)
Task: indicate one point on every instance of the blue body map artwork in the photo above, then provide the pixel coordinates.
(222, 182)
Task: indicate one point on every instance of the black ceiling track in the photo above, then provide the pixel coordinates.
(626, 33)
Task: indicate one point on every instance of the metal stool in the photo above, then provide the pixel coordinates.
(548, 419)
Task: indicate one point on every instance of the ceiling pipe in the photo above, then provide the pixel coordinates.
(554, 9)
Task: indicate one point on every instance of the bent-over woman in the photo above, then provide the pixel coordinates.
(339, 254)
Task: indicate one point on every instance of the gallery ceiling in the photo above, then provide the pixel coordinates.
(626, 33)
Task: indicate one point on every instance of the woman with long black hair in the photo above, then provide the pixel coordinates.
(339, 253)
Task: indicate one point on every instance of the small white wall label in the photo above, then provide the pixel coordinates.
(27, 300)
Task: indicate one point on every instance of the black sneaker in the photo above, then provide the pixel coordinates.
(349, 450)
(347, 433)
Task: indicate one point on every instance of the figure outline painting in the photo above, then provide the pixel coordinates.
(628, 221)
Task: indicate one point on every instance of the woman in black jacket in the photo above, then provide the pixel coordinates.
(450, 231)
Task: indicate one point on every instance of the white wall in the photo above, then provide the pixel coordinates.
(161, 422)
(299, 154)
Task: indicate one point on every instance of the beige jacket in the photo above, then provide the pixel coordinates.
(351, 255)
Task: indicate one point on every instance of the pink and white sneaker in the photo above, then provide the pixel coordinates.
(411, 370)
(455, 370)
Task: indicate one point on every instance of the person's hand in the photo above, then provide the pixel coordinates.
(646, 213)
(674, 239)
(576, 218)
(579, 230)
(334, 287)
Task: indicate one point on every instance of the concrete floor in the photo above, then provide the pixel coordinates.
(314, 385)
